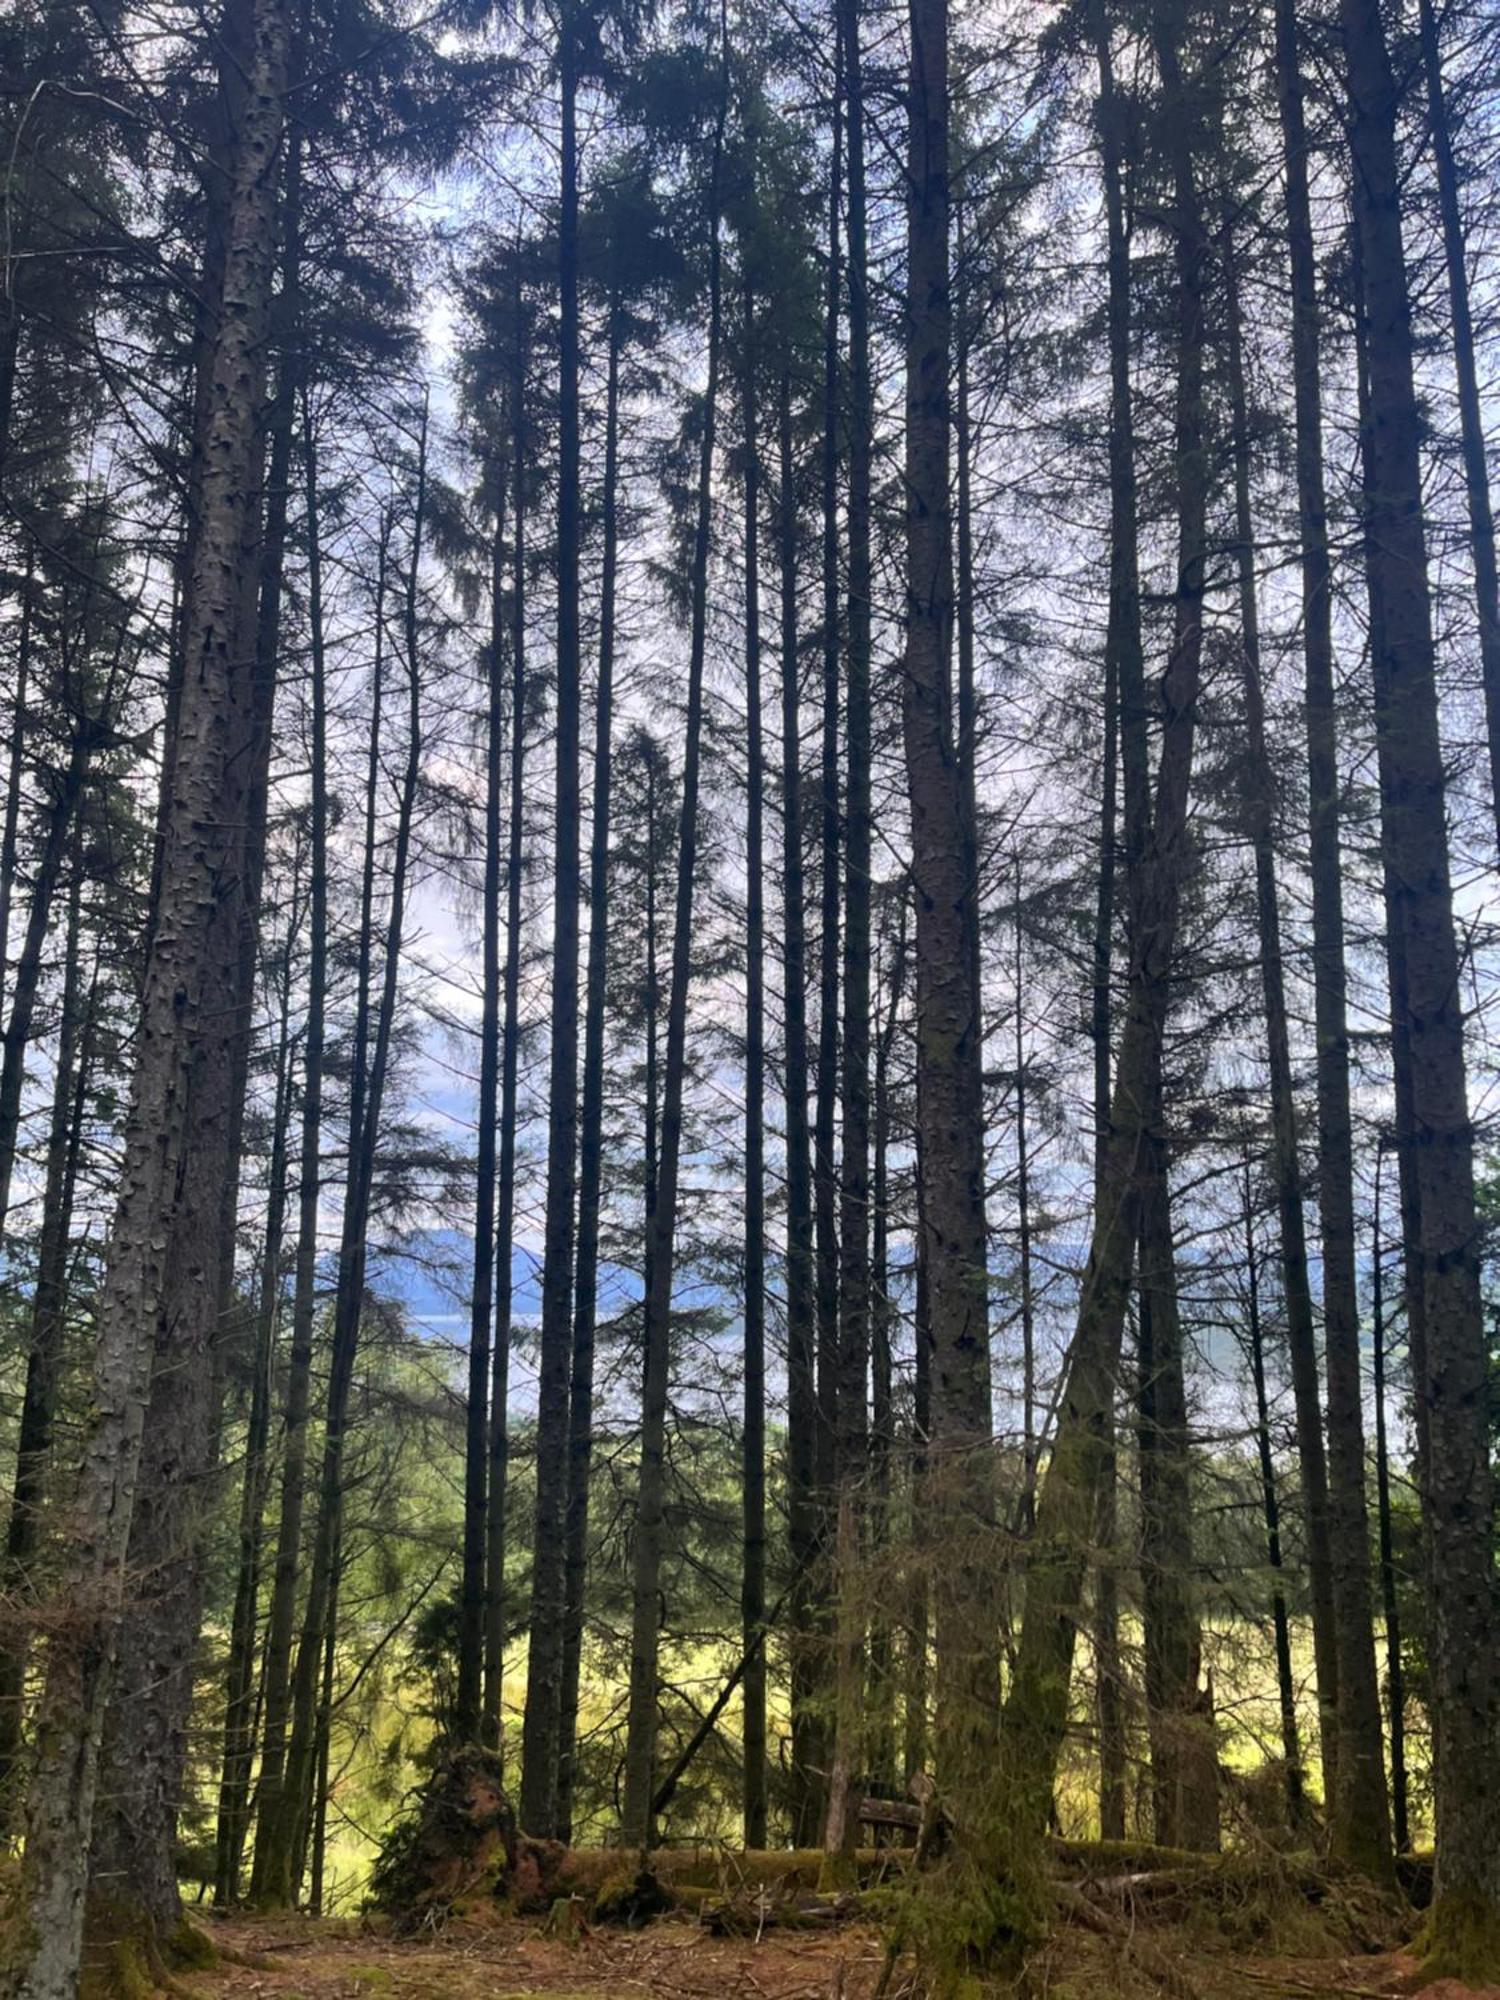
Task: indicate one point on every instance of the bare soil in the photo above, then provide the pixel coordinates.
(675, 1959)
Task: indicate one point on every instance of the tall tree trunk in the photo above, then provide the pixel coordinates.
(1334, 1495)
(178, 1123)
(1395, 1666)
(640, 1749)
(44, 1359)
(542, 1745)
(851, 1405)
(67, 790)
(1465, 1921)
(753, 1577)
(1465, 368)
(469, 1702)
(1286, 1686)
(1036, 1711)
(801, 1326)
(591, 1135)
(825, 1109)
(294, 1805)
(1124, 672)
(20, 729)
(496, 1523)
(1184, 1774)
(286, 1571)
(240, 1687)
(950, 1093)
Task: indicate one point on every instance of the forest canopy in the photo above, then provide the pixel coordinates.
(748, 945)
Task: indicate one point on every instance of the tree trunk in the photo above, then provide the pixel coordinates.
(1465, 1921)
(289, 1834)
(44, 1360)
(281, 1618)
(753, 1444)
(1184, 1775)
(851, 1451)
(469, 1702)
(240, 1689)
(640, 1749)
(823, 1658)
(67, 790)
(591, 1137)
(542, 1744)
(801, 1328)
(950, 1091)
(496, 1523)
(1334, 1498)
(1286, 1686)
(1465, 368)
(1395, 1668)
(179, 1118)
(1036, 1710)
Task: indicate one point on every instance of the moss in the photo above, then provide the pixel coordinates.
(1461, 1939)
(372, 1978)
(631, 1899)
(191, 1947)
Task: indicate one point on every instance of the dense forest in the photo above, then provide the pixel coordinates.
(749, 930)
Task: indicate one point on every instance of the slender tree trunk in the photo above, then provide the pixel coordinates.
(1465, 367)
(753, 1577)
(640, 1750)
(20, 727)
(1023, 1233)
(880, 1700)
(281, 1618)
(1395, 1668)
(1465, 1921)
(240, 1689)
(851, 1451)
(801, 1327)
(470, 1691)
(825, 1164)
(1334, 1495)
(44, 1360)
(591, 1137)
(368, 1094)
(915, 1699)
(67, 790)
(1184, 1774)
(1286, 1686)
(1123, 671)
(496, 1523)
(950, 1092)
(542, 1744)
(1036, 1710)
(174, 1136)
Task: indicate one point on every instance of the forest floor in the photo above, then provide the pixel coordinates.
(675, 1959)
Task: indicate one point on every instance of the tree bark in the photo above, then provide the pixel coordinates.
(591, 1135)
(1465, 368)
(753, 1441)
(801, 1326)
(179, 1118)
(542, 1743)
(950, 1092)
(1465, 1918)
(469, 1699)
(282, 1615)
(1333, 1493)
(640, 1749)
